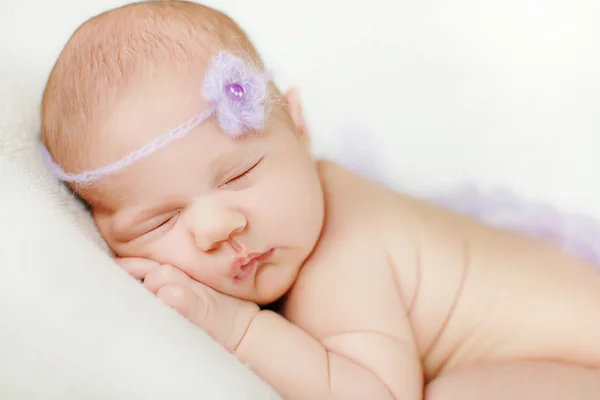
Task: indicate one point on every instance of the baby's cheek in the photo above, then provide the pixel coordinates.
(178, 249)
(301, 208)
(291, 220)
(285, 196)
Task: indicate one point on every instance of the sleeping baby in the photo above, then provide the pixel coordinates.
(198, 172)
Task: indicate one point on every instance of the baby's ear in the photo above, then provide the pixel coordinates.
(294, 107)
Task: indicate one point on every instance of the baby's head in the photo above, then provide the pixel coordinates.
(210, 200)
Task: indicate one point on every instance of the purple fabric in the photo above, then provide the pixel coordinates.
(578, 234)
(247, 108)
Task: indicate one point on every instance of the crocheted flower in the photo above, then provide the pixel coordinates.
(238, 94)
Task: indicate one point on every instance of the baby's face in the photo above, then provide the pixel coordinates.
(208, 204)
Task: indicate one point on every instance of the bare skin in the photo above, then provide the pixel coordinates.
(384, 296)
(400, 288)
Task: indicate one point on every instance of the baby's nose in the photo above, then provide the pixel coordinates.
(219, 227)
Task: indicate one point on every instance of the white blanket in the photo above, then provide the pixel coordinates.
(429, 94)
(74, 326)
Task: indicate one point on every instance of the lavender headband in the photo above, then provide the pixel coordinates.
(237, 96)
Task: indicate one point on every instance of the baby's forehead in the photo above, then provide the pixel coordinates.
(153, 107)
(178, 172)
(231, 96)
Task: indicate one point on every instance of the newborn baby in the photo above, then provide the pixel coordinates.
(199, 174)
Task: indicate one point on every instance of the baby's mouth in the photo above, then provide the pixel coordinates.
(246, 270)
(246, 266)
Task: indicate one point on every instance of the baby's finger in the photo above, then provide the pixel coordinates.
(137, 267)
(224, 318)
(166, 275)
(184, 300)
(203, 290)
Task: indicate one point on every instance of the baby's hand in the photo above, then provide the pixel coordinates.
(223, 317)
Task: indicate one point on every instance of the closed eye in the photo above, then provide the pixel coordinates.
(243, 175)
(169, 221)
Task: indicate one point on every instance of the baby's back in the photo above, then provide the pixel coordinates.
(472, 293)
(514, 297)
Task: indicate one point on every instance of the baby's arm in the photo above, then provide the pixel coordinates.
(355, 364)
(352, 365)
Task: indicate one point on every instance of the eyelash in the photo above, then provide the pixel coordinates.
(243, 175)
(168, 220)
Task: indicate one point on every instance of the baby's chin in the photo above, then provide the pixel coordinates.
(274, 284)
(272, 295)
(270, 299)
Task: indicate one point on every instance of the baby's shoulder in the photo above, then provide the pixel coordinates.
(354, 201)
(360, 211)
(351, 277)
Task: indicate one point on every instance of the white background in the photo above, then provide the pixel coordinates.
(502, 93)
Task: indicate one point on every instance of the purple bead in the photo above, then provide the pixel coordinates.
(234, 91)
